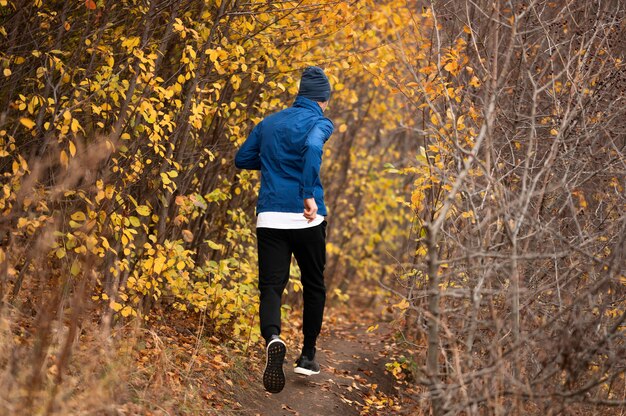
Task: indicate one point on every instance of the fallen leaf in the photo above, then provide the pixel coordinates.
(289, 409)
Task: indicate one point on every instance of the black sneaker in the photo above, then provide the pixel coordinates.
(306, 366)
(274, 376)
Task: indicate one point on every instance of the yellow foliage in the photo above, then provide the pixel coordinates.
(155, 201)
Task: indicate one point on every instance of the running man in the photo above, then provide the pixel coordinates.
(287, 148)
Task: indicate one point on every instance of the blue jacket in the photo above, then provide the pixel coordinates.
(287, 148)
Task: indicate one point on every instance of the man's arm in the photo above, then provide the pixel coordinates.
(312, 155)
(248, 156)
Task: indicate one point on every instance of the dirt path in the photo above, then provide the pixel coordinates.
(352, 378)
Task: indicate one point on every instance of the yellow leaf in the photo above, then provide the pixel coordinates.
(27, 122)
(22, 222)
(115, 306)
(372, 328)
(402, 305)
(236, 82)
(451, 67)
(108, 192)
(79, 216)
(75, 126)
(7, 72)
(158, 264)
(143, 210)
(75, 269)
(126, 311)
(582, 202)
(554, 132)
(64, 159)
(460, 125)
(72, 148)
(343, 128)
(214, 245)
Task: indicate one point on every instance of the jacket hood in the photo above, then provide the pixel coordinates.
(308, 103)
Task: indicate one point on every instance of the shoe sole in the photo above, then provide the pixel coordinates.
(274, 376)
(304, 371)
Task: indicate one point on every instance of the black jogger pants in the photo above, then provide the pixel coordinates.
(308, 245)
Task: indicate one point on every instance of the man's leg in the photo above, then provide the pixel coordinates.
(309, 248)
(274, 261)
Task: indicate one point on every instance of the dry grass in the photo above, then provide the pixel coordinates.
(133, 371)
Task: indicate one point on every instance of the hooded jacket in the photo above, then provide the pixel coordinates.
(287, 148)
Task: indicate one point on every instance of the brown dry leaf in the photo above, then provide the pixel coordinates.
(360, 379)
(346, 400)
(187, 236)
(289, 409)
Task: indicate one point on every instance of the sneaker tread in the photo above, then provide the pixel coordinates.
(274, 376)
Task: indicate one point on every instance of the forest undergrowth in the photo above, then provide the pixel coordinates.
(176, 365)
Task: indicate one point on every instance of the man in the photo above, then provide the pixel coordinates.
(287, 148)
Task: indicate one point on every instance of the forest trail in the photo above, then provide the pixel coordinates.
(352, 378)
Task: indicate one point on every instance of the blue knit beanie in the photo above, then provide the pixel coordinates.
(314, 84)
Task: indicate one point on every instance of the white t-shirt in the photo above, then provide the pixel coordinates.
(286, 220)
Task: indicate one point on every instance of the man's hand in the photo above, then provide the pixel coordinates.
(310, 209)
